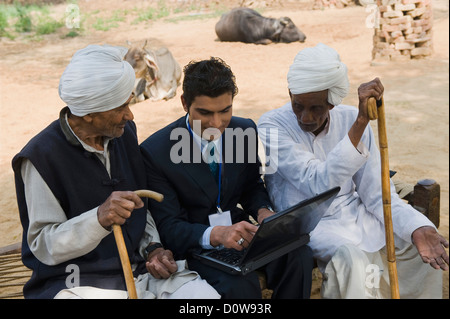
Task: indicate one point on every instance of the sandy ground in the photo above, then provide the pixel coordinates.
(416, 92)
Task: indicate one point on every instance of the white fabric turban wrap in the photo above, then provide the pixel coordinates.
(317, 69)
(97, 79)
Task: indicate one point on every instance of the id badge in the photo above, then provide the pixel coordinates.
(220, 218)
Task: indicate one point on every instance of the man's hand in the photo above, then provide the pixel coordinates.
(263, 213)
(160, 263)
(431, 247)
(117, 208)
(367, 90)
(230, 236)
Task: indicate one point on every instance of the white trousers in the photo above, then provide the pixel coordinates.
(184, 284)
(195, 289)
(354, 274)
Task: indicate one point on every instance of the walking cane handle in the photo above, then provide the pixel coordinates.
(372, 107)
(150, 194)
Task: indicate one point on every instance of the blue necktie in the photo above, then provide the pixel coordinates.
(213, 165)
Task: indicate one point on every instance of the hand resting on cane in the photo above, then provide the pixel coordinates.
(117, 208)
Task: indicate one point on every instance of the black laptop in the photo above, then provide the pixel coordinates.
(277, 235)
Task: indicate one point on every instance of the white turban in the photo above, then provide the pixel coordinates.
(317, 69)
(97, 79)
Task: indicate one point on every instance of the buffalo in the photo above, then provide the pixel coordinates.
(247, 25)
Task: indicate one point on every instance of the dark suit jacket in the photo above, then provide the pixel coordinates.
(189, 189)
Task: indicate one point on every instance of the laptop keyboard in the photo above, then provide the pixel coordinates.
(228, 255)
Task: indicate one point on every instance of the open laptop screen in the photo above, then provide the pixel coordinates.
(289, 225)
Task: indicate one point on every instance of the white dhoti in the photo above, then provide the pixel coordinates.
(354, 274)
(184, 284)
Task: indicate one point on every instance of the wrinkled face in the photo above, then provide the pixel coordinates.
(311, 110)
(213, 113)
(111, 123)
(291, 33)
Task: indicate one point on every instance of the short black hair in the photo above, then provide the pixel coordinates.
(211, 78)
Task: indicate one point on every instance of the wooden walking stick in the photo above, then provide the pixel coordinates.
(118, 235)
(376, 111)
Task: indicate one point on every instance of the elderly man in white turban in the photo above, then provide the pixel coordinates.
(76, 178)
(315, 143)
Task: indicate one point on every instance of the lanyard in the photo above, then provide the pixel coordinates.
(220, 172)
(220, 184)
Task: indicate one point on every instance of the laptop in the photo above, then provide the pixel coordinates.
(277, 235)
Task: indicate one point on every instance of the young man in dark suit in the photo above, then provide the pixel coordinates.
(205, 164)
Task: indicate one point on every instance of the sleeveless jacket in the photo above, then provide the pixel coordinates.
(80, 182)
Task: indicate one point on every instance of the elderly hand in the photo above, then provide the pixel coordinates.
(367, 90)
(431, 247)
(161, 264)
(117, 208)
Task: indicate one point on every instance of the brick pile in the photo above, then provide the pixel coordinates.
(405, 30)
(339, 4)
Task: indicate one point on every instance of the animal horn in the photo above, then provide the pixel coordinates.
(284, 20)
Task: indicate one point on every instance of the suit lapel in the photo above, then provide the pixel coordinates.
(232, 169)
(226, 171)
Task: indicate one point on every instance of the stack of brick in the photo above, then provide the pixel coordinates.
(339, 4)
(405, 30)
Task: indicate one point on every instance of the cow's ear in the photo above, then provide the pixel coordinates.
(151, 63)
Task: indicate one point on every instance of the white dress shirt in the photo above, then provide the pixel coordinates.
(202, 143)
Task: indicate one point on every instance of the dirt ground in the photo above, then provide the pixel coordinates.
(416, 92)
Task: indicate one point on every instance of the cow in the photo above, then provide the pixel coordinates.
(247, 25)
(158, 74)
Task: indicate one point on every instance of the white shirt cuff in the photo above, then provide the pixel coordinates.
(205, 239)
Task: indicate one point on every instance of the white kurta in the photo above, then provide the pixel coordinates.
(306, 165)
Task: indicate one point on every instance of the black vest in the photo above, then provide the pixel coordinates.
(80, 182)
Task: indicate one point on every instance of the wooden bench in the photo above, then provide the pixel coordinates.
(13, 274)
(424, 196)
